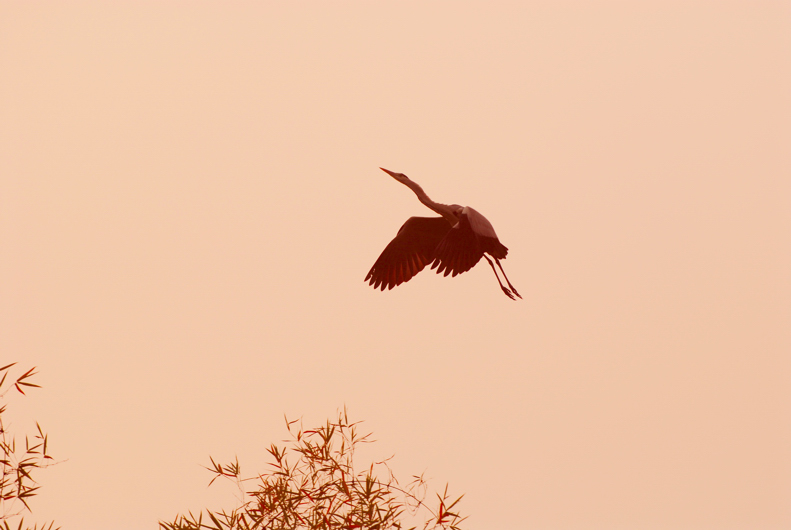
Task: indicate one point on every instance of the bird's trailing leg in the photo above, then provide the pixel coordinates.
(503, 287)
(513, 290)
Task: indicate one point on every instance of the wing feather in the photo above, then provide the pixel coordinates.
(408, 253)
(459, 250)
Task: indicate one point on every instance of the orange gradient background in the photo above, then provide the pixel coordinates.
(191, 199)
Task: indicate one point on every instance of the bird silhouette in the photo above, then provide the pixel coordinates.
(452, 244)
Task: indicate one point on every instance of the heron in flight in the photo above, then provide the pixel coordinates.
(453, 244)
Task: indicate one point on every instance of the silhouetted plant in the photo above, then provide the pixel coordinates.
(312, 485)
(17, 484)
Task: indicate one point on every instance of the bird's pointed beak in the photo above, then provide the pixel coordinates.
(392, 174)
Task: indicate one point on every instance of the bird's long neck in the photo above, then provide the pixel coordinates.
(443, 209)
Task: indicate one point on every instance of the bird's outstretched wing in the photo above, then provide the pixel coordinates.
(459, 250)
(409, 252)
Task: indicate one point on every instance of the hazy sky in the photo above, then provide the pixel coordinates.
(191, 199)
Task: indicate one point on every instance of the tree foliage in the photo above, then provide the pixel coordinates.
(17, 484)
(312, 485)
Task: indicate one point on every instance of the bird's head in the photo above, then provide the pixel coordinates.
(451, 213)
(400, 177)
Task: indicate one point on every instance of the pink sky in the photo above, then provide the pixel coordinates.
(191, 199)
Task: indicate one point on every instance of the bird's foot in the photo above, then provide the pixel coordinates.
(513, 289)
(509, 294)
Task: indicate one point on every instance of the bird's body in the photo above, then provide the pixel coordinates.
(453, 244)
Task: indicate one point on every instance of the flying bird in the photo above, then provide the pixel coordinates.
(453, 244)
